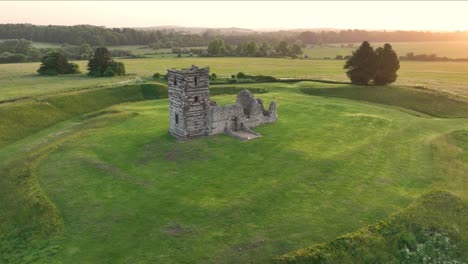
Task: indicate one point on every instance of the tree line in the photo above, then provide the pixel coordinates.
(21, 50)
(218, 48)
(102, 36)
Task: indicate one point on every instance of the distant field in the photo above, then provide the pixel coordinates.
(451, 49)
(17, 80)
(454, 49)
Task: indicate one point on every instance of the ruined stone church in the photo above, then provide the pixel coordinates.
(193, 114)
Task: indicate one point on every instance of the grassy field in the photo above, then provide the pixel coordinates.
(113, 187)
(19, 80)
(431, 230)
(122, 190)
(453, 49)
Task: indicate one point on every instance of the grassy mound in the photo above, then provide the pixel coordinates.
(431, 230)
(424, 101)
(327, 167)
(117, 187)
(23, 118)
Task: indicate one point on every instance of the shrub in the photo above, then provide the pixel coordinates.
(118, 68)
(109, 72)
(54, 63)
(241, 75)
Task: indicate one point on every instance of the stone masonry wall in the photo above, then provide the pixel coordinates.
(192, 114)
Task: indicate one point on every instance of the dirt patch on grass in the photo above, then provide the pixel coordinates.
(176, 229)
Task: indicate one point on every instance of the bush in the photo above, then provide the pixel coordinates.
(118, 68)
(54, 63)
(241, 75)
(233, 76)
(109, 72)
(157, 76)
(8, 57)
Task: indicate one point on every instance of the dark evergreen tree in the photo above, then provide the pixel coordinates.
(387, 65)
(54, 63)
(101, 64)
(361, 65)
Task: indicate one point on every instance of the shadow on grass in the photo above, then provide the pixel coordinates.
(423, 101)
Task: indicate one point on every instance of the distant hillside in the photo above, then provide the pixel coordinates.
(174, 36)
(199, 30)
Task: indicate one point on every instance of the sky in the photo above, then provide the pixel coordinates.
(379, 15)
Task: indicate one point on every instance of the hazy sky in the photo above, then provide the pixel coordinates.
(419, 15)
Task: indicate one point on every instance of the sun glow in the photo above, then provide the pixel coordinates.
(399, 15)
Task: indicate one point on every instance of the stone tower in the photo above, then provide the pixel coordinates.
(189, 97)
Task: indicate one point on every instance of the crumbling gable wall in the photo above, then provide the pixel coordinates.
(246, 113)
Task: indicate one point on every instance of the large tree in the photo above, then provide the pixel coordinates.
(216, 48)
(101, 64)
(54, 63)
(361, 65)
(387, 65)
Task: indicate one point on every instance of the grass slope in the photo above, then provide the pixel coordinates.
(119, 189)
(320, 173)
(420, 100)
(431, 230)
(23, 118)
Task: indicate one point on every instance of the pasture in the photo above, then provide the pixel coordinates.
(452, 49)
(120, 188)
(21, 80)
(91, 173)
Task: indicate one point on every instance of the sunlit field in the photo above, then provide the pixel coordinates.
(90, 173)
(19, 80)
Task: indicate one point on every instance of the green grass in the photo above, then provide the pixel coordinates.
(420, 100)
(20, 80)
(23, 118)
(451, 49)
(431, 230)
(128, 192)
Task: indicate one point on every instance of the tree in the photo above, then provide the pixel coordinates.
(296, 49)
(361, 65)
(387, 65)
(54, 63)
(101, 64)
(85, 51)
(216, 48)
(265, 49)
(282, 48)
